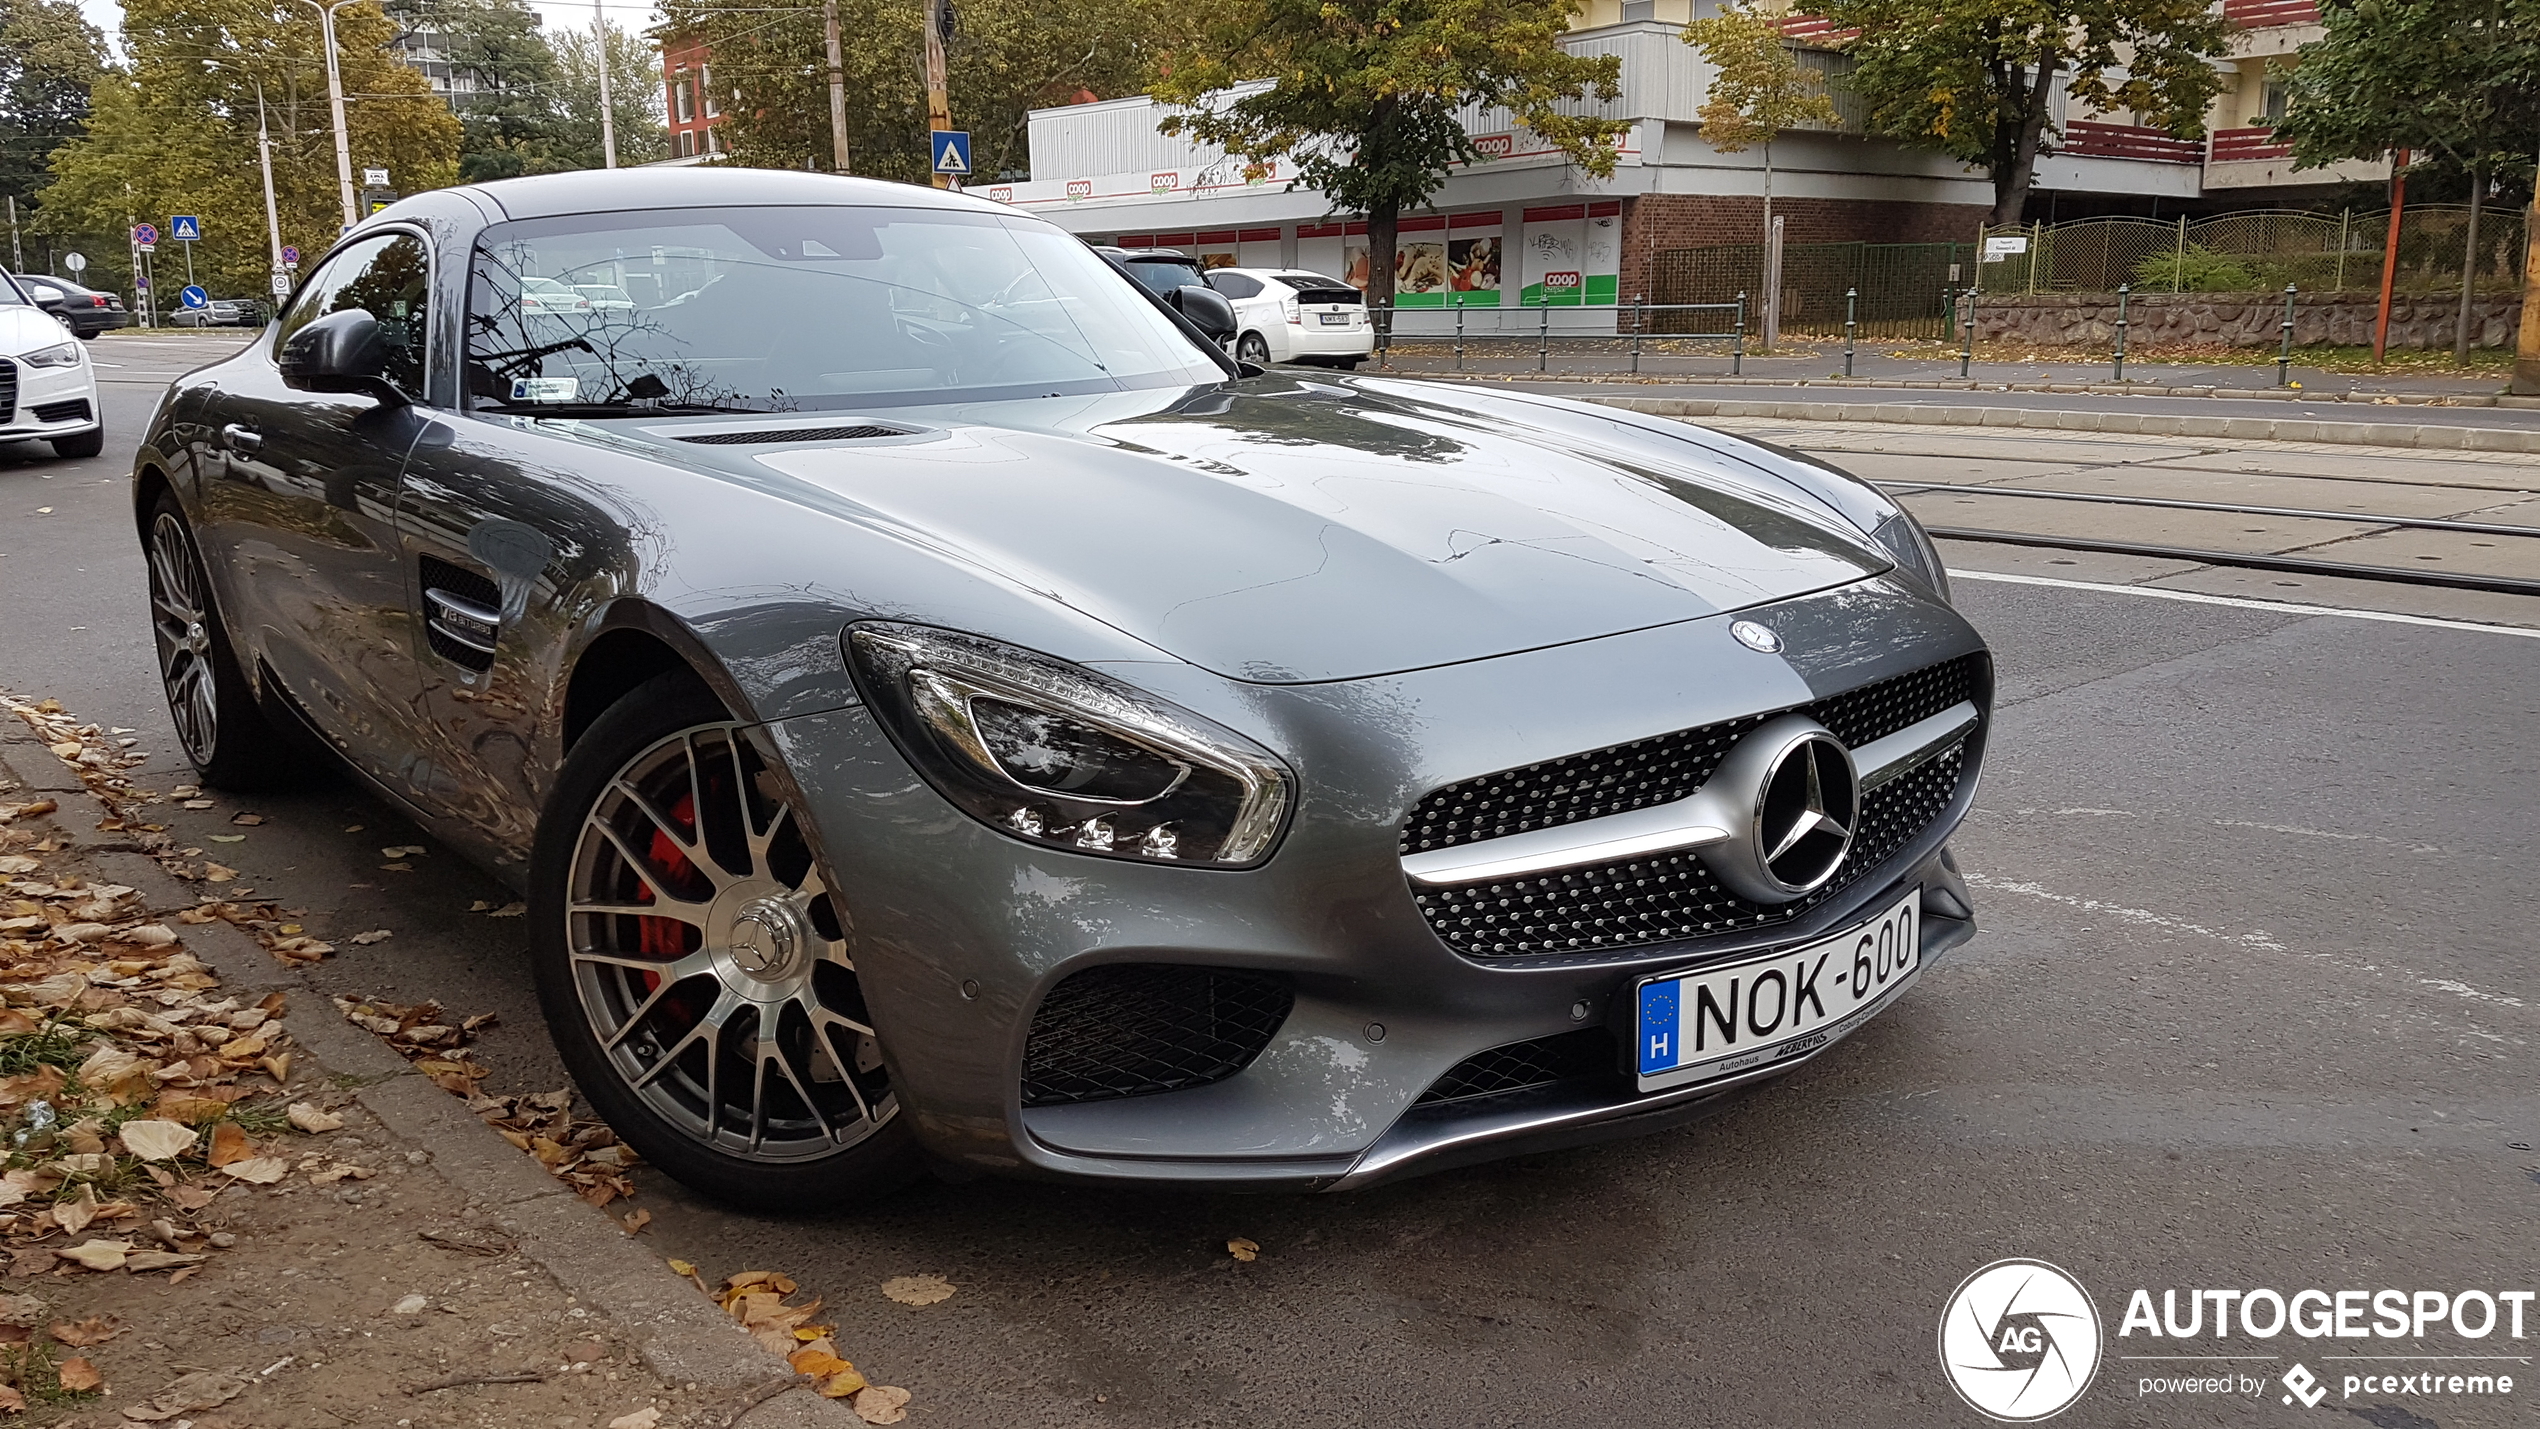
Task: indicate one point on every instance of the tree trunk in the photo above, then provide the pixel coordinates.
(2469, 267)
(1382, 221)
(1772, 295)
(2527, 346)
(2011, 184)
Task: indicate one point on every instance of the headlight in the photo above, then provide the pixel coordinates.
(1903, 537)
(66, 355)
(1060, 756)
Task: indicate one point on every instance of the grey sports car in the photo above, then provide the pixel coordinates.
(941, 709)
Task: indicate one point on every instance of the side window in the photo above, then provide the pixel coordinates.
(1235, 285)
(390, 277)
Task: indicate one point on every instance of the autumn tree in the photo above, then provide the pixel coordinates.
(1758, 89)
(175, 132)
(508, 118)
(1975, 78)
(1366, 96)
(635, 97)
(2455, 82)
(49, 58)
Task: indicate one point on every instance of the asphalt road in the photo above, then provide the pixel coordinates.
(2253, 1006)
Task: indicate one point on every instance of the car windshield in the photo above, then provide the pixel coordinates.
(1310, 282)
(783, 309)
(10, 297)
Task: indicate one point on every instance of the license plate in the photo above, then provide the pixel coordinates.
(1335, 319)
(1719, 1022)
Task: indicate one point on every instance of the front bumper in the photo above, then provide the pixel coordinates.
(47, 387)
(959, 932)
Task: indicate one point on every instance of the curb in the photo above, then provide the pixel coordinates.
(1979, 384)
(679, 1333)
(2430, 437)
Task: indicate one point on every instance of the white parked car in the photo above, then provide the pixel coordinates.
(1289, 315)
(48, 392)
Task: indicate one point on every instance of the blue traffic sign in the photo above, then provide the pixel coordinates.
(951, 148)
(185, 228)
(195, 297)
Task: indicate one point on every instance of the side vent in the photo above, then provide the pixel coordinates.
(462, 614)
(794, 434)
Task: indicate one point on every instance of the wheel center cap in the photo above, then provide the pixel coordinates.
(197, 639)
(770, 938)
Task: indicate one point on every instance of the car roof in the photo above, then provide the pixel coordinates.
(1156, 255)
(616, 190)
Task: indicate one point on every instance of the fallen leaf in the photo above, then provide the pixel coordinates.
(145, 1260)
(95, 1330)
(644, 1418)
(258, 1170)
(229, 838)
(247, 819)
(635, 1221)
(509, 910)
(880, 1404)
(1242, 1249)
(375, 935)
(79, 1376)
(74, 1214)
(99, 1254)
(200, 1390)
(197, 804)
(214, 873)
(918, 1289)
(689, 1273)
(229, 1144)
(309, 1118)
(411, 1305)
(11, 1400)
(20, 1310)
(157, 1140)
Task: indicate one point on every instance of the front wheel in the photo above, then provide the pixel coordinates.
(1253, 349)
(225, 736)
(81, 445)
(692, 960)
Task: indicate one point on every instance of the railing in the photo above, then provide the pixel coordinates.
(1813, 30)
(2085, 139)
(1634, 321)
(2257, 14)
(2232, 145)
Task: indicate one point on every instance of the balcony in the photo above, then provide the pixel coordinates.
(2241, 145)
(2084, 139)
(2258, 14)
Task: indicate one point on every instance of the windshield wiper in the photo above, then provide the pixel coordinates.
(620, 409)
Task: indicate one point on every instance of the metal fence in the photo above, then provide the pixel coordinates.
(1905, 288)
(2262, 251)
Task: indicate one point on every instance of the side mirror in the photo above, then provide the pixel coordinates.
(340, 352)
(1208, 311)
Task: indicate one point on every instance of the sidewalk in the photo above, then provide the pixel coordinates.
(224, 1205)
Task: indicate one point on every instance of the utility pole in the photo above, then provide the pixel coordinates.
(2390, 253)
(17, 258)
(264, 164)
(335, 104)
(837, 89)
(608, 117)
(938, 90)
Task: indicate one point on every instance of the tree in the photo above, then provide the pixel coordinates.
(509, 120)
(1975, 78)
(49, 58)
(635, 98)
(1365, 96)
(176, 132)
(2454, 81)
(1006, 58)
(1758, 89)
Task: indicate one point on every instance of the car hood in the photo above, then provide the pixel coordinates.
(25, 329)
(1291, 531)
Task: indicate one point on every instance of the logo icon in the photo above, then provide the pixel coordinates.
(1789, 801)
(1755, 637)
(2020, 1341)
(2305, 1385)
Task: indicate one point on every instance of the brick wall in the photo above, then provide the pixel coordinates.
(1656, 222)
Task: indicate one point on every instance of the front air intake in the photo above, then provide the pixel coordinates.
(1136, 1029)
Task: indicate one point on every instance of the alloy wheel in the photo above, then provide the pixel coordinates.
(709, 956)
(180, 619)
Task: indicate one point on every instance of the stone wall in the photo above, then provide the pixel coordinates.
(2241, 319)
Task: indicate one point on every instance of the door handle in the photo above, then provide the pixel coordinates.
(241, 438)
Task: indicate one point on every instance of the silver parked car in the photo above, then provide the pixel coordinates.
(977, 722)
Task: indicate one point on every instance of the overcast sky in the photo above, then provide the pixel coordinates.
(107, 15)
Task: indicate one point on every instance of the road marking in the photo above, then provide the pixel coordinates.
(2242, 602)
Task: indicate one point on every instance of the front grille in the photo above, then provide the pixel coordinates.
(1588, 1052)
(8, 390)
(1135, 1029)
(1667, 897)
(75, 410)
(793, 434)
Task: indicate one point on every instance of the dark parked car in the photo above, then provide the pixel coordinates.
(223, 312)
(976, 720)
(85, 311)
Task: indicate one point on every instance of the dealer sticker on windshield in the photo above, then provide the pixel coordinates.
(1719, 1022)
(546, 389)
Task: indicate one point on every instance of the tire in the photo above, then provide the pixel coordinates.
(1253, 348)
(224, 735)
(657, 1014)
(85, 444)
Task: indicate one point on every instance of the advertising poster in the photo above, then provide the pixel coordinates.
(1555, 255)
(1473, 254)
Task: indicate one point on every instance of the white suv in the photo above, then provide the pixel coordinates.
(1288, 315)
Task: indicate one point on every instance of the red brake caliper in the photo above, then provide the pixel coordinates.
(663, 937)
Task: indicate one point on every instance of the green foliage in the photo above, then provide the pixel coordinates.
(1973, 78)
(1364, 94)
(509, 122)
(1006, 57)
(1761, 88)
(174, 133)
(56, 1043)
(2197, 270)
(635, 98)
(49, 57)
(2455, 80)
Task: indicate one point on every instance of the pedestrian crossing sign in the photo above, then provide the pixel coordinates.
(185, 228)
(951, 148)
